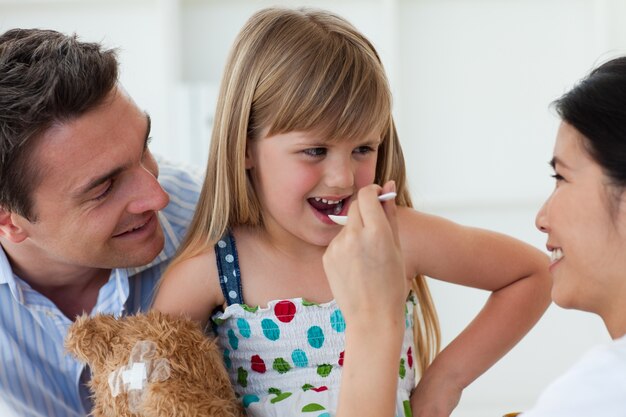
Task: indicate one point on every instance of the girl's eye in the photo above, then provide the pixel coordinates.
(557, 177)
(105, 192)
(315, 152)
(364, 150)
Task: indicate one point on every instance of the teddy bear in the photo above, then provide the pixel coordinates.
(152, 365)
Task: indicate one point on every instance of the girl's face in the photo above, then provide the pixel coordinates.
(300, 178)
(586, 231)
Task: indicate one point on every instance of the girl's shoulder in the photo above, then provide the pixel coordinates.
(197, 265)
(190, 287)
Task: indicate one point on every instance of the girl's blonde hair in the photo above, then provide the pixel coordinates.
(298, 70)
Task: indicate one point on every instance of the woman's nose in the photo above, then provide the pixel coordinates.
(541, 220)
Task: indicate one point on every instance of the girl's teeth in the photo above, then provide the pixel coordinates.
(556, 254)
(323, 200)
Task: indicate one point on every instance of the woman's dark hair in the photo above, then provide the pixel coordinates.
(596, 107)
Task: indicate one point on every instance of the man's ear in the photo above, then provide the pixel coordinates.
(10, 228)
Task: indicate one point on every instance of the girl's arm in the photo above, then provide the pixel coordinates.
(190, 289)
(517, 276)
(365, 269)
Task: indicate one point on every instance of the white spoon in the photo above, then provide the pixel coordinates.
(342, 220)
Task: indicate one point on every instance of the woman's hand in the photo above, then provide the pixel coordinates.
(365, 268)
(364, 263)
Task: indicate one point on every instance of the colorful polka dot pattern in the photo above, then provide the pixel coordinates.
(286, 359)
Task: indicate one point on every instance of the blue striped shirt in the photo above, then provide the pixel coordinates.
(37, 376)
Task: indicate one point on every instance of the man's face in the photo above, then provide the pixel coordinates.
(96, 204)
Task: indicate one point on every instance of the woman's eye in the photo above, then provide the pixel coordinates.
(557, 177)
(315, 151)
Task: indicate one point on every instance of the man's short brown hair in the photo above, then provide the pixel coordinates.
(46, 77)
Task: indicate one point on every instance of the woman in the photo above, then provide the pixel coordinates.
(585, 220)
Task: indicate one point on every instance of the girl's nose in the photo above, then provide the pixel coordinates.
(339, 174)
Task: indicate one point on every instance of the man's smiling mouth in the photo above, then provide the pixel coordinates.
(134, 228)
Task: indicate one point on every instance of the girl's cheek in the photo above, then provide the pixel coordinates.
(306, 176)
(365, 175)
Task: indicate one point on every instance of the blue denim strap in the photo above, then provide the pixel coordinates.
(228, 269)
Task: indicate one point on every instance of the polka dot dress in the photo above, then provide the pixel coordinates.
(286, 359)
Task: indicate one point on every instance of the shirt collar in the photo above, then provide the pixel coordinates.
(7, 277)
(6, 274)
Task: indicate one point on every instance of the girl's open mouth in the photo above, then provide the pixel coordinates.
(327, 207)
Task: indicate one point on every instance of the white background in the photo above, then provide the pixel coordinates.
(472, 81)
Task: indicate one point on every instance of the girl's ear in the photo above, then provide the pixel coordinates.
(249, 160)
(10, 228)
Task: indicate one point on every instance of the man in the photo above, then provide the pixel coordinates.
(85, 226)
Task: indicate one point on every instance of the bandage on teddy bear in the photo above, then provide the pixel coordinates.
(152, 365)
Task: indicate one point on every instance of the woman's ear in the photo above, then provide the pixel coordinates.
(620, 216)
(10, 227)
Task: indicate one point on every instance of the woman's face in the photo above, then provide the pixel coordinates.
(586, 227)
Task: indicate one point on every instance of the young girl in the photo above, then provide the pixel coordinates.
(303, 122)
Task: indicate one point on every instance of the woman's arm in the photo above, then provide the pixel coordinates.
(365, 269)
(517, 276)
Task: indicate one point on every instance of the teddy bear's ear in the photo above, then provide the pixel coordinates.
(89, 338)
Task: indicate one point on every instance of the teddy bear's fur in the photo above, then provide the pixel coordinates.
(197, 384)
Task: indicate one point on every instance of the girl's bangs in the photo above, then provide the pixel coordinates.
(339, 95)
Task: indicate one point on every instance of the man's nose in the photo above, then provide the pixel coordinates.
(148, 193)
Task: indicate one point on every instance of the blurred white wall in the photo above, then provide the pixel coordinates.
(472, 81)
